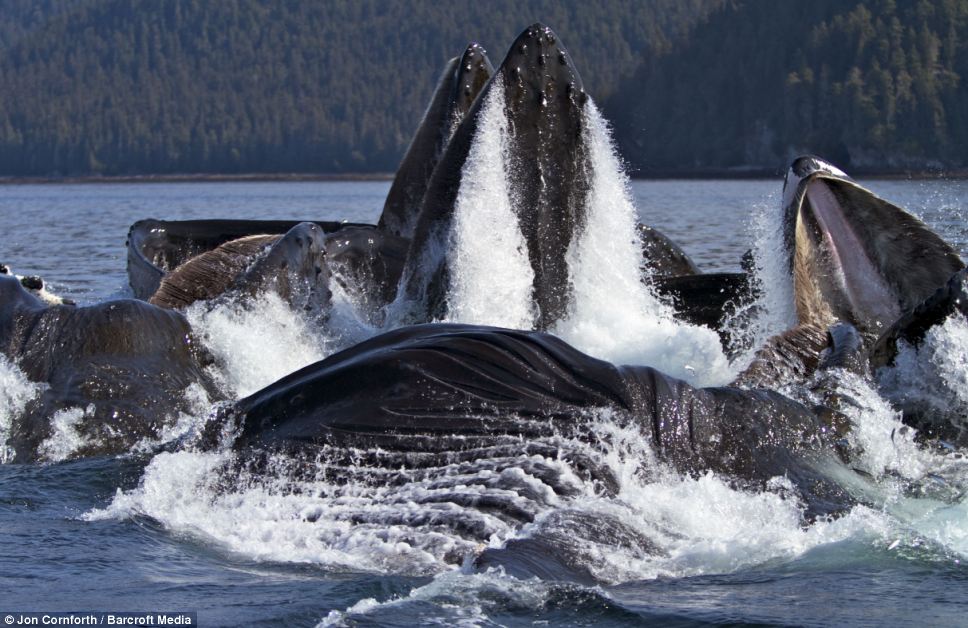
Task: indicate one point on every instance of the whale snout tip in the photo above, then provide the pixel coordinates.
(473, 50)
(540, 33)
(808, 165)
(803, 166)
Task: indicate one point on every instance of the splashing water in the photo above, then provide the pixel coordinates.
(935, 373)
(65, 438)
(773, 311)
(255, 342)
(410, 521)
(16, 391)
(491, 277)
(614, 315)
(459, 599)
(185, 424)
(351, 318)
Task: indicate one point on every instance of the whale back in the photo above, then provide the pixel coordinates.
(437, 394)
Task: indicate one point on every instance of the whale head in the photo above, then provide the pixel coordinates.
(546, 169)
(856, 257)
(461, 81)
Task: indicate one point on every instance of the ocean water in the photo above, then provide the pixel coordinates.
(143, 532)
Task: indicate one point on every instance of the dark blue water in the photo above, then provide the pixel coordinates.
(734, 557)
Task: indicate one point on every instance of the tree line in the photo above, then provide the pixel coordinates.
(230, 86)
(873, 84)
(116, 87)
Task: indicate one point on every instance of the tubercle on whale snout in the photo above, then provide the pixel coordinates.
(539, 69)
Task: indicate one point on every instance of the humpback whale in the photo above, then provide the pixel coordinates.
(292, 265)
(124, 364)
(547, 176)
(459, 84)
(185, 261)
(460, 393)
(856, 257)
(866, 274)
(157, 247)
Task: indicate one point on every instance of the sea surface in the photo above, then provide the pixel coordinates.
(115, 534)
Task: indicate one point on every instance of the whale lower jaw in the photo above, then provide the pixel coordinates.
(835, 278)
(856, 257)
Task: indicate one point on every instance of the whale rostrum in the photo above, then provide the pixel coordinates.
(547, 176)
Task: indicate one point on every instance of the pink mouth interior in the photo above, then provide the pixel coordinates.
(872, 302)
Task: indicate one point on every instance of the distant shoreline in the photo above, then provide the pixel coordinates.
(764, 173)
(654, 175)
(197, 178)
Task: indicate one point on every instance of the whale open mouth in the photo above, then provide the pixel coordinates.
(856, 257)
(835, 274)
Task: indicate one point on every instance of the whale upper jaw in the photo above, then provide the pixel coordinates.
(461, 81)
(550, 170)
(856, 257)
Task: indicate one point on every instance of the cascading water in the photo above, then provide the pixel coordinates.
(16, 391)
(614, 315)
(773, 311)
(429, 520)
(934, 374)
(255, 342)
(491, 276)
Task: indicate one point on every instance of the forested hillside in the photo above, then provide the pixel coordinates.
(229, 86)
(19, 18)
(872, 84)
(225, 86)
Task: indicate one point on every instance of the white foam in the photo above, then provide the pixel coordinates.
(614, 315)
(351, 319)
(706, 526)
(934, 374)
(459, 599)
(696, 525)
(255, 341)
(65, 438)
(266, 519)
(880, 441)
(921, 491)
(491, 276)
(774, 309)
(185, 424)
(16, 391)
